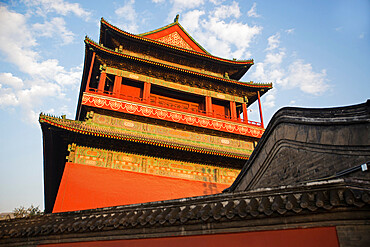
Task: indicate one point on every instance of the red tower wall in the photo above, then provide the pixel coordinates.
(85, 187)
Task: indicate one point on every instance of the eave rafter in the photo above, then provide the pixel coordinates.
(97, 47)
(81, 128)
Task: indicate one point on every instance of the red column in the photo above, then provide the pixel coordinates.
(146, 91)
(90, 71)
(101, 85)
(233, 110)
(260, 106)
(245, 113)
(209, 110)
(117, 86)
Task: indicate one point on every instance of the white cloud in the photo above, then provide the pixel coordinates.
(54, 27)
(64, 109)
(276, 74)
(216, 46)
(128, 16)
(179, 6)
(273, 41)
(226, 11)
(35, 93)
(298, 74)
(127, 11)
(7, 97)
(30, 95)
(191, 19)
(241, 53)
(216, 2)
(301, 75)
(32, 116)
(275, 58)
(222, 37)
(69, 78)
(236, 33)
(188, 4)
(16, 40)
(10, 80)
(269, 98)
(361, 36)
(61, 7)
(290, 31)
(17, 43)
(41, 80)
(253, 11)
(259, 72)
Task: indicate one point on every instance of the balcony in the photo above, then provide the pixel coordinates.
(174, 104)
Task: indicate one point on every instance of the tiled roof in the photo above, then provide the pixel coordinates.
(139, 37)
(93, 44)
(320, 198)
(83, 128)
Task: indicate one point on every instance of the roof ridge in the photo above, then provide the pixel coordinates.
(182, 29)
(178, 48)
(157, 30)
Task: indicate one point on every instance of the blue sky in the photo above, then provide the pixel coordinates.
(316, 54)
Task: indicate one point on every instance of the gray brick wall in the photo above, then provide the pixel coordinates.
(354, 235)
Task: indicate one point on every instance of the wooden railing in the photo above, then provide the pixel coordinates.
(178, 107)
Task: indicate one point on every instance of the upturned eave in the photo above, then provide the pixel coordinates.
(94, 45)
(200, 55)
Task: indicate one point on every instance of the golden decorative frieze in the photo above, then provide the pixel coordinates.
(151, 165)
(167, 134)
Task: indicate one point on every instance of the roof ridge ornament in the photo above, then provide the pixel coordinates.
(176, 20)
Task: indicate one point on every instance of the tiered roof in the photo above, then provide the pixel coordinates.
(171, 55)
(112, 37)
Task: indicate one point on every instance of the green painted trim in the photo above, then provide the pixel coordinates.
(157, 30)
(201, 47)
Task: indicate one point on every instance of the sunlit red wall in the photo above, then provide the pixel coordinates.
(87, 187)
(220, 109)
(318, 237)
(129, 89)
